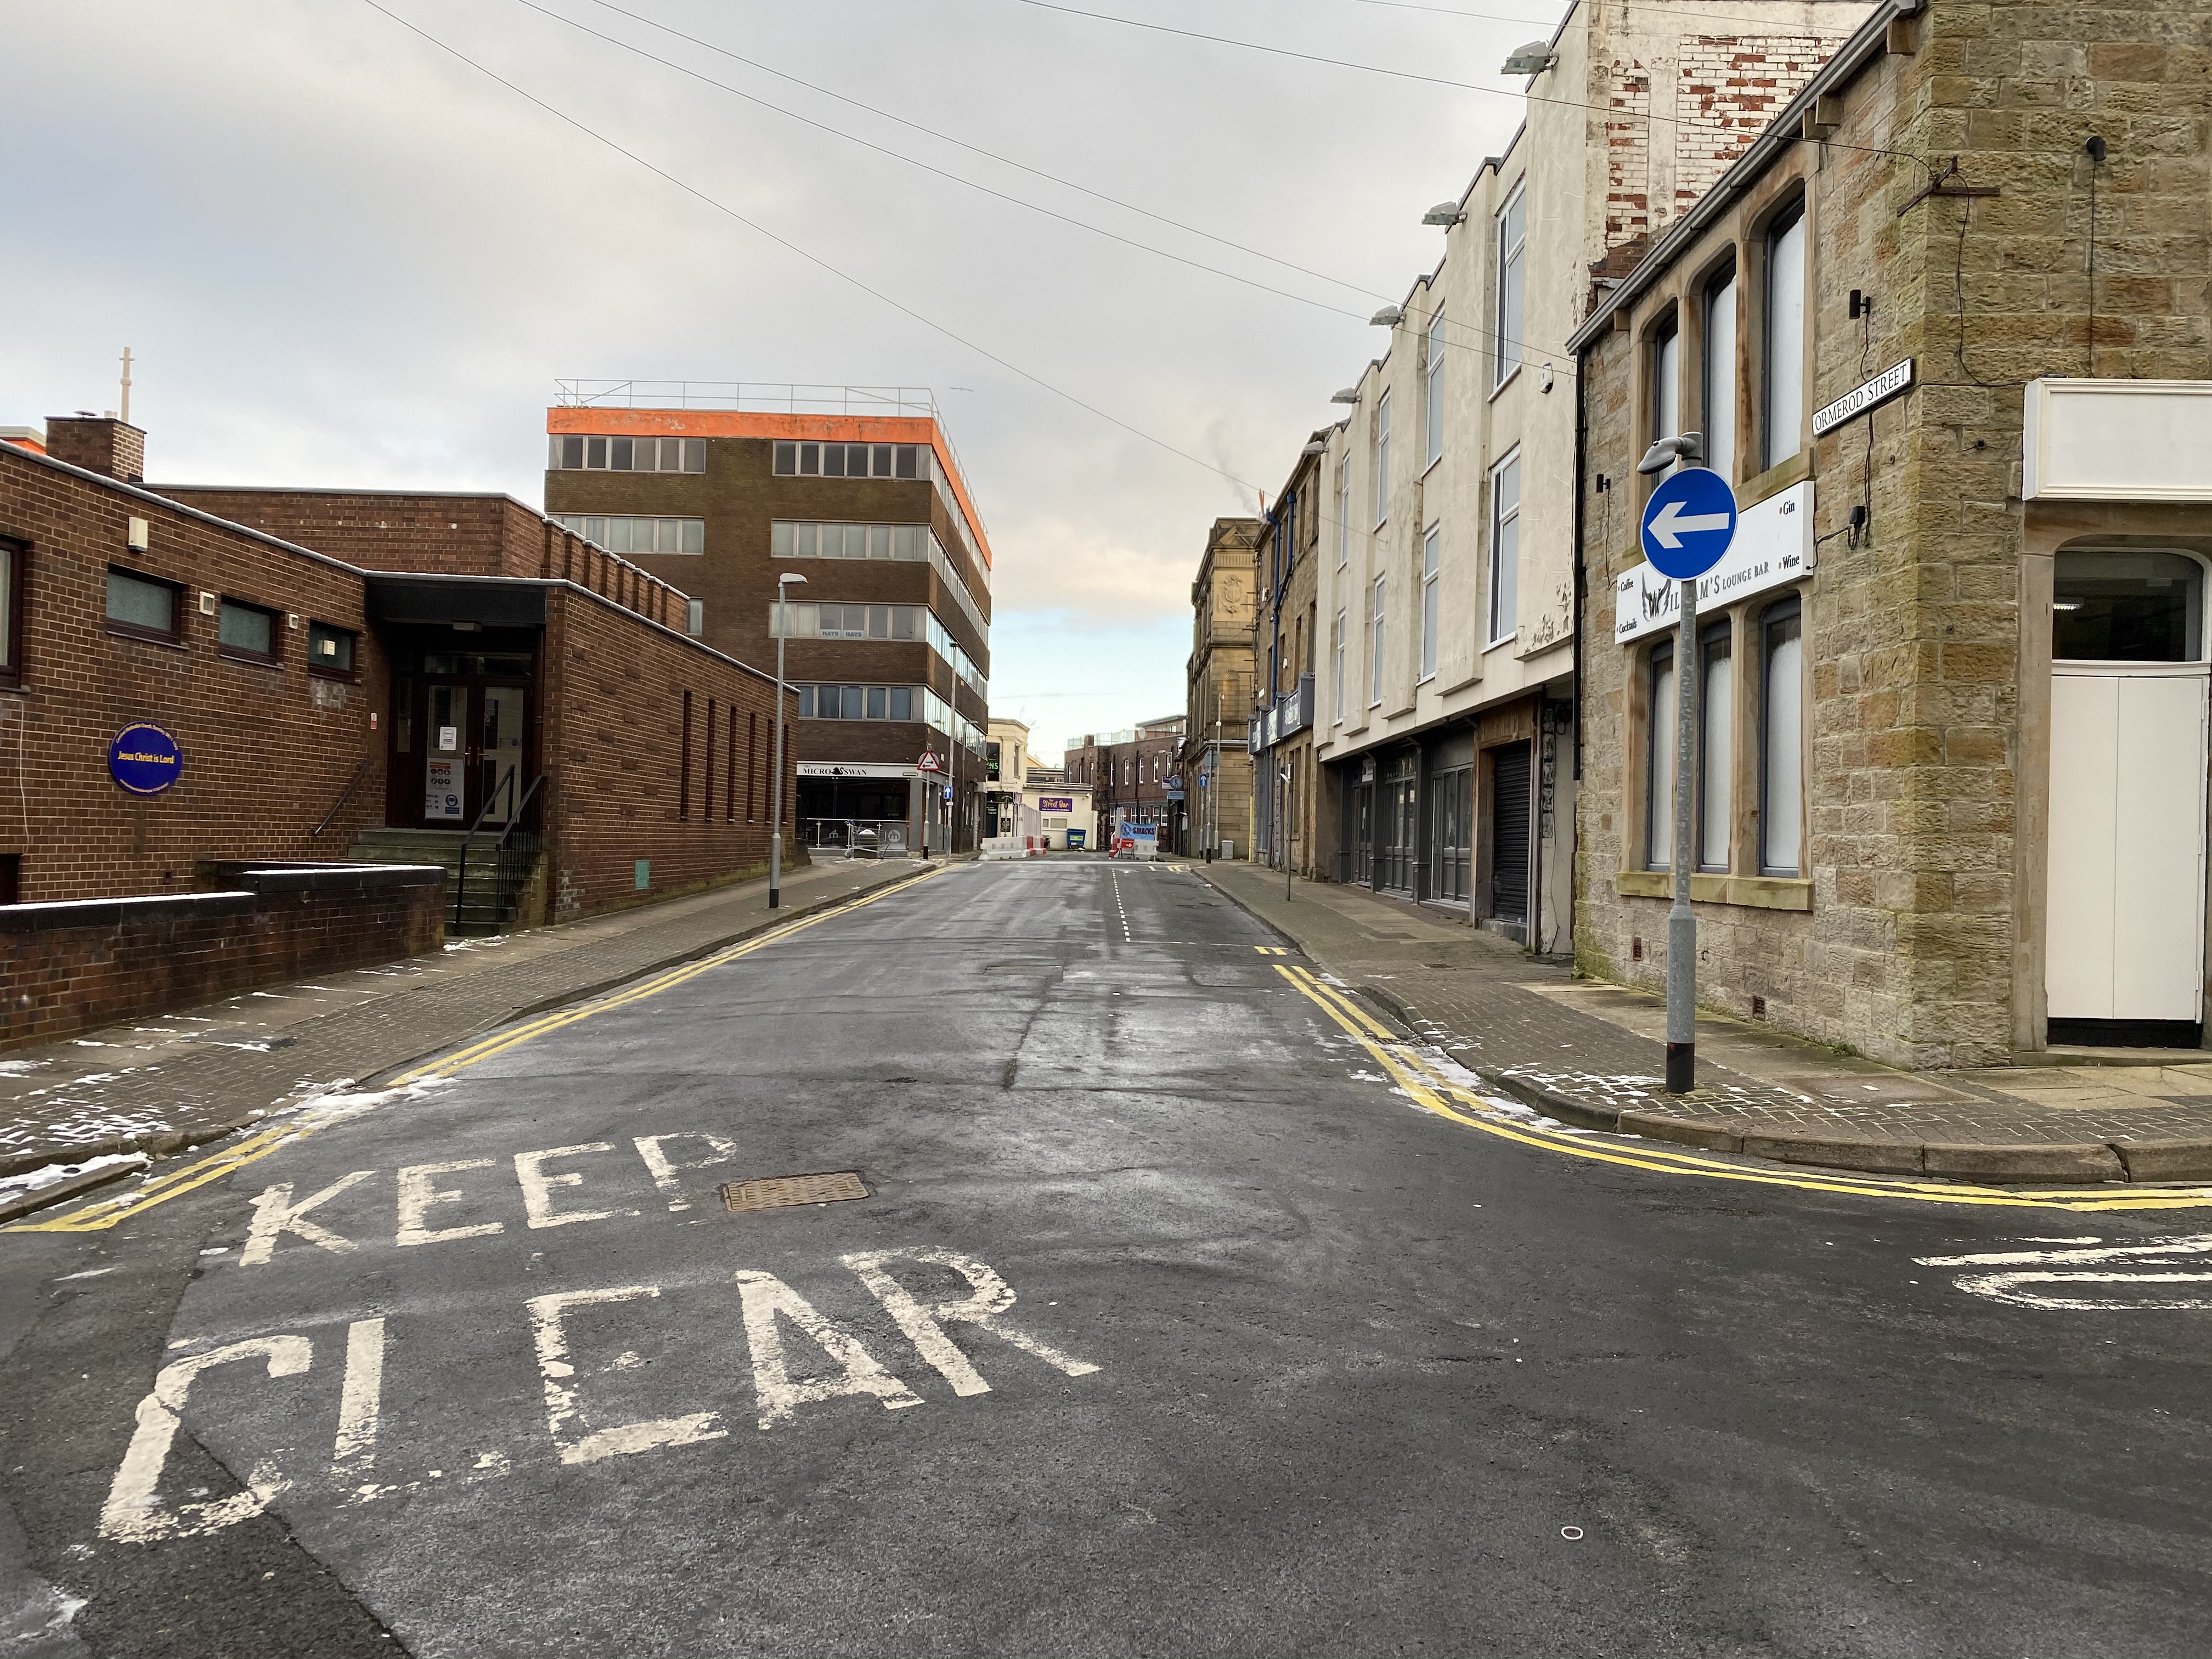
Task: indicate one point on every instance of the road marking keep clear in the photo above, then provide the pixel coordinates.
(772, 1314)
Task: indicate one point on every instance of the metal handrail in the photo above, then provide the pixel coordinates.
(515, 816)
(344, 795)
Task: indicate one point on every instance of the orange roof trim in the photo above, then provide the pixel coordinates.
(742, 424)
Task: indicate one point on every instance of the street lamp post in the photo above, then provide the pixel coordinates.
(775, 784)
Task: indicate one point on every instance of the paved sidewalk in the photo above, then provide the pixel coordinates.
(1594, 1056)
(163, 1083)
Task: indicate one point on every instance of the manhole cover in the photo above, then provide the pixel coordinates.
(778, 1191)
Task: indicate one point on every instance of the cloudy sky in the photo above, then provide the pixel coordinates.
(343, 256)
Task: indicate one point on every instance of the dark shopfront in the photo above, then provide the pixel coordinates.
(1447, 821)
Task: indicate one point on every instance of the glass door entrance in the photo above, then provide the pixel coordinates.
(473, 759)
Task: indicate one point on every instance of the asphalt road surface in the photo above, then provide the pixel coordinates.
(1174, 1321)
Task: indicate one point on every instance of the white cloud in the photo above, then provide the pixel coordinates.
(343, 257)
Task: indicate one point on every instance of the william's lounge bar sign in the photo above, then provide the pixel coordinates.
(1773, 547)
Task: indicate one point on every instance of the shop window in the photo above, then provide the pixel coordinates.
(1784, 375)
(246, 631)
(1659, 760)
(2127, 607)
(1715, 747)
(330, 650)
(11, 613)
(1782, 739)
(144, 607)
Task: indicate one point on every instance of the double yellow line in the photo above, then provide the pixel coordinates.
(107, 1213)
(1432, 1087)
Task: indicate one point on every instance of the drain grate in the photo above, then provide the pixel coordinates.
(778, 1192)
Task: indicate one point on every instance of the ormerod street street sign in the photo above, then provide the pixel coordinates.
(1689, 523)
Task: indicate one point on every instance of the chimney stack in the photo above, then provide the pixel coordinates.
(98, 444)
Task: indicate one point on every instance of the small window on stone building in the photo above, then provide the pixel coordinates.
(246, 630)
(1782, 740)
(143, 606)
(330, 650)
(1715, 747)
(1659, 761)
(1785, 367)
(2127, 607)
(1667, 381)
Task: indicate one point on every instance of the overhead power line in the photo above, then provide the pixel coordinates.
(988, 155)
(1451, 325)
(913, 162)
(812, 259)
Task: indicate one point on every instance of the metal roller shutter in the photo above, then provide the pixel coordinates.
(1509, 833)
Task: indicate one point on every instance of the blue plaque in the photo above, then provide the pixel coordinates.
(144, 759)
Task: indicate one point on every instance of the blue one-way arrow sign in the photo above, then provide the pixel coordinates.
(1689, 523)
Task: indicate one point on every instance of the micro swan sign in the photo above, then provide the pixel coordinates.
(144, 759)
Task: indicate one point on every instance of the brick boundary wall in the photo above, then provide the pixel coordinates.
(69, 966)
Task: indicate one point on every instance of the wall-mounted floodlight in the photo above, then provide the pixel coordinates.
(1316, 447)
(1443, 213)
(1349, 395)
(1531, 59)
(1685, 447)
(1388, 317)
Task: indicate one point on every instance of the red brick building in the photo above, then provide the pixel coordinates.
(888, 638)
(343, 674)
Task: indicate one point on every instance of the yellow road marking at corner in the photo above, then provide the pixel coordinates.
(106, 1213)
(1426, 1087)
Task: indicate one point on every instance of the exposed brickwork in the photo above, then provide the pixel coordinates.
(440, 535)
(68, 968)
(110, 447)
(740, 497)
(268, 749)
(615, 754)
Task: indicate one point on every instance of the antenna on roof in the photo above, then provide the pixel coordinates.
(124, 412)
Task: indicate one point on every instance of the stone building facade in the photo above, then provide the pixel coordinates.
(1444, 724)
(1294, 817)
(1945, 327)
(1221, 689)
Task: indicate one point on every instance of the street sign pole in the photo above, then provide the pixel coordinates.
(1687, 526)
(1681, 921)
